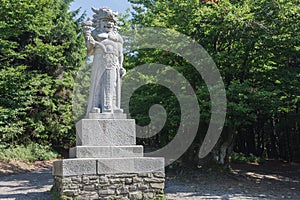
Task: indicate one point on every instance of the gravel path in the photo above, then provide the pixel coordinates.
(178, 190)
(266, 182)
(26, 186)
(36, 185)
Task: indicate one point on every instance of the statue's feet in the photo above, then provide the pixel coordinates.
(96, 110)
(118, 110)
(107, 109)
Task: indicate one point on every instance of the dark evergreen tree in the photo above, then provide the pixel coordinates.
(40, 51)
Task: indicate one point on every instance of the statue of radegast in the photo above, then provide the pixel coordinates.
(106, 147)
(105, 45)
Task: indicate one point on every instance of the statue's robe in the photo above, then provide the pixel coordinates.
(105, 88)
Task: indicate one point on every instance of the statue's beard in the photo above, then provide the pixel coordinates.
(106, 29)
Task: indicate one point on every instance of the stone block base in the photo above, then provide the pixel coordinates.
(111, 186)
(106, 151)
(105, 132)
(87, 166)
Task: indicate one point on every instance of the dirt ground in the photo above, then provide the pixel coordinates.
(272, 180)
(13, 167)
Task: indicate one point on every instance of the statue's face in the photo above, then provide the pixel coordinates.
(107, 25)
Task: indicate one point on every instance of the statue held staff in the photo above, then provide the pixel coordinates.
(105, 44)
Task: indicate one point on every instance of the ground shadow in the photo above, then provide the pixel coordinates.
(26, 185)
(272, 180)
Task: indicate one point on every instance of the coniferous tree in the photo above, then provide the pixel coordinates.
(40, 51)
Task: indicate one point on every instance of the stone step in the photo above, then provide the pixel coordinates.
(86, 166)
(106, 151)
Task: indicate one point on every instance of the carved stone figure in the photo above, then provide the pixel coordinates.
(104, 43)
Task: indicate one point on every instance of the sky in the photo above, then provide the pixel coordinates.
(116, 5)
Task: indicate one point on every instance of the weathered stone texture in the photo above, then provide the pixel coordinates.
(117, 186)
(105, 132)
(106, 151)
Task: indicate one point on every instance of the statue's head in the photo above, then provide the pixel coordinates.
(104, 19)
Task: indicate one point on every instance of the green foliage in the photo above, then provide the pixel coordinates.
(161, 198)
(242, 158)
(255, 45)
(30, 153)
(40, 51)
(143, 99)
(54, 194)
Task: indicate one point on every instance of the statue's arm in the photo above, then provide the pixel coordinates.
(90, 44)
(122, 69)
(121, 57)
(87, 33)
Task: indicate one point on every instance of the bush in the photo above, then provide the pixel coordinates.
(32, 152)
(242, 158)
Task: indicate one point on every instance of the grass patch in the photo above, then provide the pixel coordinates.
(30, 153)
(54, 194)
(242, 158)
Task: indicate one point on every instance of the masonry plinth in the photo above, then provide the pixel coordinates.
(107, 164)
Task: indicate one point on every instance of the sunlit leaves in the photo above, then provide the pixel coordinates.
(255, 45)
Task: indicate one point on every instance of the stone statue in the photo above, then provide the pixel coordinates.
(105, 45)
(106, 139)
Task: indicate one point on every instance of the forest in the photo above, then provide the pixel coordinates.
(254, 44)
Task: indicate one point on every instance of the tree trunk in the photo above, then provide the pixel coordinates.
(222, 150)
(250, 142)
(273, 150)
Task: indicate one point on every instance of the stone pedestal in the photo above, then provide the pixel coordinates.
(107, 164)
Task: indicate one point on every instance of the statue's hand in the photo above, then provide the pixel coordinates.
(91, 40)
(90, 43)
(102, 46)
(122, 72)
(86, 29)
